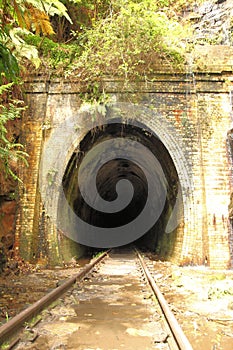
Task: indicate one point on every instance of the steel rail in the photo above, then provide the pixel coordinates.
(179, 336)
(9, 328)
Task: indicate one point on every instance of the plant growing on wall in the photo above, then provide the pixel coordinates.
(17, 19)
(11, 151)
(131, 42)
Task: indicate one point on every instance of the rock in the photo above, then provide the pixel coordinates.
(220, 1)
(7, 223)
(12, 265)
(213, 21)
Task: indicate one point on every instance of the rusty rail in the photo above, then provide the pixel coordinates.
(178, 334)
(8, 329)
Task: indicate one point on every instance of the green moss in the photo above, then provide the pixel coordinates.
(218, 292)
(54, 54)
(217, 277)
(5, 346)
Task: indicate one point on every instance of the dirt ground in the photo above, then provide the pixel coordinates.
(201, 298)
(202, 301)
(23, 284)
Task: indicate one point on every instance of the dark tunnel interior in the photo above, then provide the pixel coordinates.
(114, 170)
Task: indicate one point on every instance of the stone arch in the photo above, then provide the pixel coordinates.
(65, 138)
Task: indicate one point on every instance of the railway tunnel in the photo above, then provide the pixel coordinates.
(157, 236)
(184, 129)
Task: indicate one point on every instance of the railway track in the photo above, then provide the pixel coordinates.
(114, 303)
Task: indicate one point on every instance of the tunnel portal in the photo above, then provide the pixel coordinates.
(108, 176)
(189, 123)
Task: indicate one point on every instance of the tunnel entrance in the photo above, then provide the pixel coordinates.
(156, 238)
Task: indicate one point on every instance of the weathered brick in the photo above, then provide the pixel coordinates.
(191, 120)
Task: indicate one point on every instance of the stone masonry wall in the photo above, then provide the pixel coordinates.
(192, 115)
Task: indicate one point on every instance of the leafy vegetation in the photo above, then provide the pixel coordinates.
(8, 64)
(54, 55)
(94, 38)
(88, 39)
(129, 41)
(11, 151)
(17, 19)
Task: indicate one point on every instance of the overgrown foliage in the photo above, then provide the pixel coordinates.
(17, 19)
(94, 37)
(130, 40)
(8, 64)
(88, 39)
(11, 151)
(56, 57)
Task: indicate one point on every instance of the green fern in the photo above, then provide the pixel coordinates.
(10, 151)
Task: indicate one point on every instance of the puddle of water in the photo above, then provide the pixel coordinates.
(107, 311)
(116, 316)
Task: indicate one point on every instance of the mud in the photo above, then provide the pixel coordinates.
(111, 310)
(119, 315)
